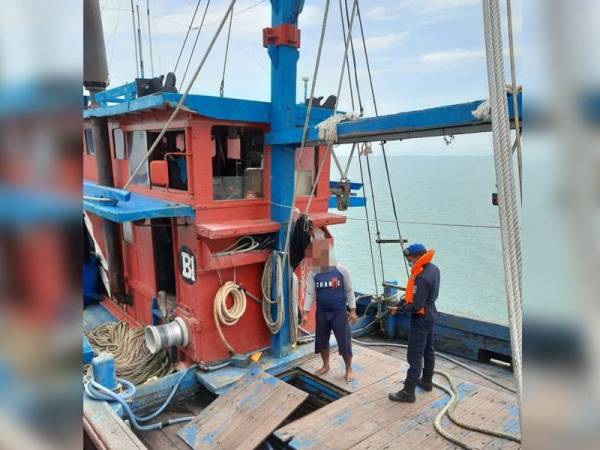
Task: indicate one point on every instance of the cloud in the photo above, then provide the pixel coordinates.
(444, 60)
(383, 41)
(406, 8)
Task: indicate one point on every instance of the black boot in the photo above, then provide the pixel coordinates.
(425, 383)
(406, 395)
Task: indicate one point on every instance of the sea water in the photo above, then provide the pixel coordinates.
(451, 191)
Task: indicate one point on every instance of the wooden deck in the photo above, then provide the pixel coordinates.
(367, 419)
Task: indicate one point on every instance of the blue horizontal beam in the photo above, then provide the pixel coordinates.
(353, 186)
(438, 121)
(138, 207)
(95, 190)
(353, 202)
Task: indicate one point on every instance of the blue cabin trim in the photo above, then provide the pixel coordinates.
(136, 207)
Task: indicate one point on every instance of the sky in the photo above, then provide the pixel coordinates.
(422, 53)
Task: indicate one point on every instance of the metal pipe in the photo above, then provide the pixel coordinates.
(174, 333)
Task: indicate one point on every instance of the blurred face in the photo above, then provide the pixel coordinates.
(411, 260)
(319, 254)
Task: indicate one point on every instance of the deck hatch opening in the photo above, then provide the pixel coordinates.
(320, 394)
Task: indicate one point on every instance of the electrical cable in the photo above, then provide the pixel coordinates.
(186, 36)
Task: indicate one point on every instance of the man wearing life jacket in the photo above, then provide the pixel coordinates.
(330, 284)
(419, 301)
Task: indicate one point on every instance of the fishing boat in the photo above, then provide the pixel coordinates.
(191, 325)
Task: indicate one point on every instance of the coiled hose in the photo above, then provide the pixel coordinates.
(274, 325)
(453, 393)
(97, 391)
(228, 316)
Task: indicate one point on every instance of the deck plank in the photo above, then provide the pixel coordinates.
(367, 419)
(245, 416)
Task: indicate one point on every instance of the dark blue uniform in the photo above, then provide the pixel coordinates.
(331, 297)
(420, 339)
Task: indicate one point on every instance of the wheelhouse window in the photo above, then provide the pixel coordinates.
(307, 163)
(137, 146)
(89, 141)
(237, 162)
(169, 160)
(119, 143)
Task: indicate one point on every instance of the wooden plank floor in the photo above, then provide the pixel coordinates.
(367, 419)
(245, 416)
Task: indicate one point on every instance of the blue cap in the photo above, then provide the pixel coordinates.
(414, 249)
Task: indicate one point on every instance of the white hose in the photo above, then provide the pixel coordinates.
(228, 316)
(453, 393)
(274, 325)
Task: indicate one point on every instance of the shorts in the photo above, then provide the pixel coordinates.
(336, 321)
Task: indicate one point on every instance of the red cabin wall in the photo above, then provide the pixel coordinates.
(196, 301)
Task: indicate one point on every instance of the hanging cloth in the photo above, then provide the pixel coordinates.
(301, 237)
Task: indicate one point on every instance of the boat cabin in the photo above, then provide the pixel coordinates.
(205, 186)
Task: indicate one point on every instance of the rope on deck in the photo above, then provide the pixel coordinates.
(133, 360)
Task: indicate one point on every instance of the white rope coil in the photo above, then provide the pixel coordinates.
(274, 325)
(228, 316)
(328, 128)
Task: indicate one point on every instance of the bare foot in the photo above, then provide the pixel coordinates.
(349, 375)
(322, 371)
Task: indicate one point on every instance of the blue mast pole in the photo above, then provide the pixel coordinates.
(282, 41)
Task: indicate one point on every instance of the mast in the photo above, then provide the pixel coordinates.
(135, 44)
(139, 34)
(95, 70)
(284, 57)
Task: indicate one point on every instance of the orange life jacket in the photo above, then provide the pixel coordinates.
(416, 270)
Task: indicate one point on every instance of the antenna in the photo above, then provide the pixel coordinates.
(139, 32)
(305, 79)
(150, 37)
(135, 44)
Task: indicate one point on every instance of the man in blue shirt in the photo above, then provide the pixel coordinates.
(330, 284)
(419, 301)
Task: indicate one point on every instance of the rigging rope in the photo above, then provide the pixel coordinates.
(186, 36)
(182, 99)
(387, 171)
(507, 197)
(194, 45)
(225, 315)
(515, 102)
(360, 104)
(222, 87)
(274, 325)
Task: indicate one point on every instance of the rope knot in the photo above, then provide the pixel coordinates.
(328, 128)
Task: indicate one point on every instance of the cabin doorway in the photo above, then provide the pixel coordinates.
(164, 255)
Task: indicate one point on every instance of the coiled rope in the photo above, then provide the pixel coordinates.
(225, 315)
(274, 325)
(133, 360)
